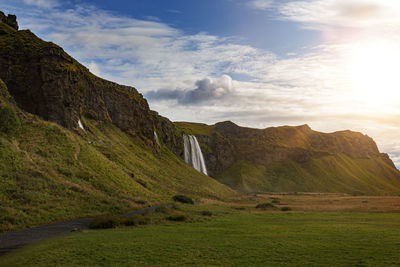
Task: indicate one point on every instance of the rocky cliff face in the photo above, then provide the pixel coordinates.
(294, 159)
(10, 20)
(227, 143)
(46, 81)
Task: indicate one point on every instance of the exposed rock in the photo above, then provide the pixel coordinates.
(46, 81)
(10, 20)
(229, 143)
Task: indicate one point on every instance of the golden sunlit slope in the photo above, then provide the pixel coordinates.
(295, 159)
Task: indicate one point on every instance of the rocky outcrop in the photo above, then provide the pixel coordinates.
(228, 143)
(46, 81)
(10, 20)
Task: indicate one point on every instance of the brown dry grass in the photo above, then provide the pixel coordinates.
(334, 202)
(315, 202)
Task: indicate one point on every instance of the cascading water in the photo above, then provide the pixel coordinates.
(156, 138)
(81, 125)
(192, 153)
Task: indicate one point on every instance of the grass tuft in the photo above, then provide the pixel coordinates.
(176, 218)
(286, 209)
(183, 199)
(206, 213)
(265, 206)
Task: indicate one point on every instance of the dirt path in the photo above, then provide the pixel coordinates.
(13, 240)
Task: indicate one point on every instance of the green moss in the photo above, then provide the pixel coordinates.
(9, 121)
(205, 148)
(6, 29)
(68, 67)
(194, 128)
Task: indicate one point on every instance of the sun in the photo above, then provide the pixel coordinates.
(375, 72)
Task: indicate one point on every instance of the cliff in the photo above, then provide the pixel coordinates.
(44, 80)
(294, 159)
(51, 170)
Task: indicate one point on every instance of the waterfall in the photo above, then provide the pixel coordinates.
(156, 138)
(80, 124)
(192, 153)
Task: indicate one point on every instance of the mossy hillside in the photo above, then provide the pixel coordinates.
(48, 174)
(297, 158)
(5, 97)
(334, 174)
(195, 128)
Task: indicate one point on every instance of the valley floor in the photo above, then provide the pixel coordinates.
(331, 230)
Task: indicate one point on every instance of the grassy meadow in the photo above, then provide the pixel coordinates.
(237, 234)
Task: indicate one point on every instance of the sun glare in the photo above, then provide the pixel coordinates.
(375, 72)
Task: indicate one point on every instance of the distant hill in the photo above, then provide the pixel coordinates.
(290, 159)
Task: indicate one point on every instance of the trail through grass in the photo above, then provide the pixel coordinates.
(260, 239)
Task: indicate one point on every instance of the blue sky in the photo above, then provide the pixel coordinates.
(225, 18)
(329, 63)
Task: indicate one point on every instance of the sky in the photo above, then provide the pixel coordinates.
(331, 64)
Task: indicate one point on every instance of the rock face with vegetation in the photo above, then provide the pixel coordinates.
(294, 159)
(51, 170)
(10, 20)
(46, 81)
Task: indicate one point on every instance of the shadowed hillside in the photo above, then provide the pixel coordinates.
(294, 159)
(53, 170)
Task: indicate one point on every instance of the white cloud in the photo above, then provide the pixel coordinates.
(206, 91)
(94, 68)
(342, 13)
(47, 4)
(260, 4)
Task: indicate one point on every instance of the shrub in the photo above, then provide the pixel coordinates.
(9, 121)
(135, 220)
(206, 213)
(275, 201)
(183, 199)
(286, 209)
(176, 218)
(104, 223)
(265, 206)
(141, 202)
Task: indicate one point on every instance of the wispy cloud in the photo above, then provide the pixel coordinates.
(46, 4)
(175, 11)
(342, 13)
(260, 4)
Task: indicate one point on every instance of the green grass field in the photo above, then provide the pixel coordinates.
(230, 239)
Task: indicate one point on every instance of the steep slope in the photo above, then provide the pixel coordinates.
(48, 173)
(294, 159)
(51, 169)
(46, 81)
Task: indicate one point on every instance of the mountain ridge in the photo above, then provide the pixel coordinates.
(232, 153)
